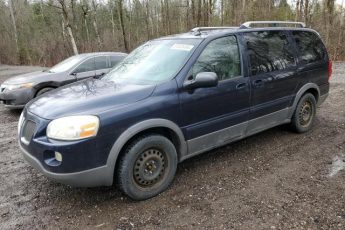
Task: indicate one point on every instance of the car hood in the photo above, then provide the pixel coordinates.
(90, 96)
(29, 77)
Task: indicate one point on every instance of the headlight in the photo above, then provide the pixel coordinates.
(73, 127)
(17, 86)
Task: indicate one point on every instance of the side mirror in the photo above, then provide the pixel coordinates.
(202, 80)
(74, 74)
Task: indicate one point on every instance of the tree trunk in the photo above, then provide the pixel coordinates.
(297, 10)
(193, 13)
(147, 18)
(199, 13)
(10, 3)
(306, 12)
(112, 22)
(95, 26)
(122, 24)
(68, 26)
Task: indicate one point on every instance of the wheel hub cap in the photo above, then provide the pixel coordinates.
(306, 113)
(149, 167)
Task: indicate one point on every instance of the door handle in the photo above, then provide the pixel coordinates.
(258, 83)
(241, 86)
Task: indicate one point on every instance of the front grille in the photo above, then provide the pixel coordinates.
(28, 131)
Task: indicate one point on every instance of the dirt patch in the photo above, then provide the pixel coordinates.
(274, 180)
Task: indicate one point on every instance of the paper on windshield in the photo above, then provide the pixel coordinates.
(184, 47)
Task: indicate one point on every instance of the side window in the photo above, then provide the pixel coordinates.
(268, 51)
(310, 47)
(220, 56)
(114, 60)
(101, 62)
(86, 66)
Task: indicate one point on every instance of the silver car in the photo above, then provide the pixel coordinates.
(19, 90)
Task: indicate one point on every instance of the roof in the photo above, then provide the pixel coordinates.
(203, 32)
(101, 53)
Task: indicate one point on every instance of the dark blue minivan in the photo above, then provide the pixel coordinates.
(173, 98)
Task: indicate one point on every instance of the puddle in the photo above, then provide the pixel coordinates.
(338, 164)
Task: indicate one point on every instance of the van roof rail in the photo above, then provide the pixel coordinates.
(198, 30)
(273, 24)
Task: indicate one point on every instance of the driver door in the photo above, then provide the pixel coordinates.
(216, 115)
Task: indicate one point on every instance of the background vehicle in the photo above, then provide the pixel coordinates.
(17, 91)
(173, 98)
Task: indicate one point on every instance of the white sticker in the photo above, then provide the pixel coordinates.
(184, 47)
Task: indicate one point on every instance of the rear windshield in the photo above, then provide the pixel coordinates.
(310, 46)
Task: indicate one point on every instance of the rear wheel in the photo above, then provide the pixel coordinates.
(304, 115)
(147, 167)
(44, 90)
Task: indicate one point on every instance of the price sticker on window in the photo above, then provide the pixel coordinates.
(184, 47)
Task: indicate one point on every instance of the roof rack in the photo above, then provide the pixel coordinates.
(198, 30)
(273, 24)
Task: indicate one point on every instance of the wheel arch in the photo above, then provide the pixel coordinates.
(307, 88)
(160, 126)
(41, 86)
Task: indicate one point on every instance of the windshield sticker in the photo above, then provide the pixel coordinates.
(184, 47)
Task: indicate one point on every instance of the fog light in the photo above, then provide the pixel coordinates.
(58, 156)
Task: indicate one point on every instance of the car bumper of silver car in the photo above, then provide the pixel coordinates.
(16, 99)
(99, 176)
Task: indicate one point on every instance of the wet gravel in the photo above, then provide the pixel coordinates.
(273, 180)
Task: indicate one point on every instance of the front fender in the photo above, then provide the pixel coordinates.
(137, 128)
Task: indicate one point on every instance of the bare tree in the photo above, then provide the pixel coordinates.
(66, 19)
(122, 24)
(14, 24)
(94, 10)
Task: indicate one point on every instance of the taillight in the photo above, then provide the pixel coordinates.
(329, 70)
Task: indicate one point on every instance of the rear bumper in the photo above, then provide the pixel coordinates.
(322, 99)
(100, 176)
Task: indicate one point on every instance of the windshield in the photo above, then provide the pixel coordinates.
(153, 62)
(66, 64)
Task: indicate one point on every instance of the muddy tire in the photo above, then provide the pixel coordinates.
(304, 115)
(147, 167)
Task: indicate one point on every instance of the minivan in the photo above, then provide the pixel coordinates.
(173, 98)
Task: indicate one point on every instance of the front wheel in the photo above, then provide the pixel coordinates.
(44, 90)
(304, 115)
(147, 167)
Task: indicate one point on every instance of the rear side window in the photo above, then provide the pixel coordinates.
(310, 47)
(101, 62)
(88, 65)
(114, 60)
(268, 51)
(220, 56)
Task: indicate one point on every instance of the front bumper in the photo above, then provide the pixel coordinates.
(88, 178)
(84, 162)
(16, 98)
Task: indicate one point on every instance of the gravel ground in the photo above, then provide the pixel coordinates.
(274, 180)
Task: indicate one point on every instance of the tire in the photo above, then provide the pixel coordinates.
(304, 115)
(147, 167)
(43, 90)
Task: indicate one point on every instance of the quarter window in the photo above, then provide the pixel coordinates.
(310, 47)
(220, 56)
(268, 51)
